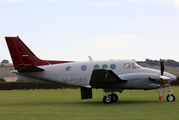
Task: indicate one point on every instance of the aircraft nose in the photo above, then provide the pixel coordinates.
(172, 77)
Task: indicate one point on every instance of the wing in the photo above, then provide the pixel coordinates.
(105, 77)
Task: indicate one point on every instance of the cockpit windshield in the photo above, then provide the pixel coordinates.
(135, 65)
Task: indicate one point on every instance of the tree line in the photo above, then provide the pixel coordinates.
(157, 62)
(26, 85)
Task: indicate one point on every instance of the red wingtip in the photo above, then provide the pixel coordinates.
(160, 97)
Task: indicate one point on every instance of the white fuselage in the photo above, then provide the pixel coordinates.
(79, 73)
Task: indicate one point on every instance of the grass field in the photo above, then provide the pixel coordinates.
(66, 104)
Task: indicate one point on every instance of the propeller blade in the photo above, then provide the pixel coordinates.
(161, 91)
(161, 66)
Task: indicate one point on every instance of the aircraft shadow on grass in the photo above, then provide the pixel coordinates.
(123, 102)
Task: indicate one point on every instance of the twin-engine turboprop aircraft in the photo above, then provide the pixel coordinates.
(111, 76)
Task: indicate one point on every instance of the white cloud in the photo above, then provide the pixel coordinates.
(162, 1)
(138, 0)
(176, 3)
(107, 41)
(128, 36)
(15, 0)
(51, 0)
(113, 41)
(25, 0)
(102, 4)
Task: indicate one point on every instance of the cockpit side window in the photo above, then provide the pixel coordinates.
(127, 66)
(135, 65)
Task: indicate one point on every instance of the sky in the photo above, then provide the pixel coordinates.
(103, 29)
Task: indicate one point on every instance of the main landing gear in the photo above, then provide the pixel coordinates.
(110, 98)
(170, 97)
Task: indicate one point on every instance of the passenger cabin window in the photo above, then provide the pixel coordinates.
(96, 67)
(83, 67)
(104, 66)
(112, 66)
(68, 68)
(127, 66)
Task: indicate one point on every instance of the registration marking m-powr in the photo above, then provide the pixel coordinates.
(75, 80)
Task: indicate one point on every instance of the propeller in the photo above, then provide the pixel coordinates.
(162, 79)
(161, 66)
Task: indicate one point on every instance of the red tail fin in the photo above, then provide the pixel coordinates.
(22, 56)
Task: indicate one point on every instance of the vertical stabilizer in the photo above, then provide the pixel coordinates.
(22, 56)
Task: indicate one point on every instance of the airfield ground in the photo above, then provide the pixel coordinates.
(66, 105)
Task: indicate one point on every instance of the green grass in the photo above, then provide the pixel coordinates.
(66, 104)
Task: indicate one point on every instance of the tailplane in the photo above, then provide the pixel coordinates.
(22, 56)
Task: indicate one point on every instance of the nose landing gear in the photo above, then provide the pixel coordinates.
(170, 96)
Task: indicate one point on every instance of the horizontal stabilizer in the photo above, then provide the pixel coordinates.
(105, 77)
(30, 68)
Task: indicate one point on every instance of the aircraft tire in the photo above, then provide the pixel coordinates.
(115, 97)
(107, 100)
(170, 98)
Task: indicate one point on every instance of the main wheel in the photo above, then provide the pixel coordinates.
(114, 97)
(107, 99)
(170, 98)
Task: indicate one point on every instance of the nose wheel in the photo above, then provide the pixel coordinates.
(170, 96)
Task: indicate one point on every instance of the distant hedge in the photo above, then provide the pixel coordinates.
(32, 85)
(26, 85)
(2, 80)
(176, 83)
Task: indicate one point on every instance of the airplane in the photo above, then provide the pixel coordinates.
(110, 75)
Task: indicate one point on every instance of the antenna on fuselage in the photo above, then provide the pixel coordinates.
(90, 58)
